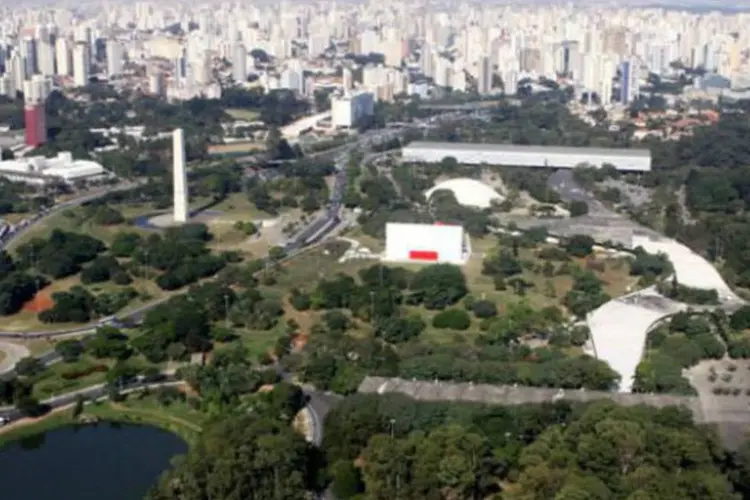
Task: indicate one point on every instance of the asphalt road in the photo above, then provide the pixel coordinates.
(319, 404)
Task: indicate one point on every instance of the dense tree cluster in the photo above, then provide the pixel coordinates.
(243, 457)
(61, 255)
(333, 359)
(16, 287)
(181, 255)
(79, 305)
(670, 349)
(389, 446)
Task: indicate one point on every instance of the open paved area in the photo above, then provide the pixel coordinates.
(12, 354)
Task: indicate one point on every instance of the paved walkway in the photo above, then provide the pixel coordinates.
(13, 354)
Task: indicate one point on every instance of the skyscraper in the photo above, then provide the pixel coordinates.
(180, 214)
(63, 58)
(627, 82)
(484, 76)
(81, 64)
(239, 63)
(114, 58)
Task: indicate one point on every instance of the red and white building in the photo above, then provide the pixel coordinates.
(425, 243)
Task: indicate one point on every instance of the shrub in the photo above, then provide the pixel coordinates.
(484, 309)
(455, 319)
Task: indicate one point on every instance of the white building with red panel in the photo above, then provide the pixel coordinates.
(425, 243)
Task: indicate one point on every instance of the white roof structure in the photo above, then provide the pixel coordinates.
(62, 166)
(619, 328)
(624, 159)
(468, 192)
(691, 269)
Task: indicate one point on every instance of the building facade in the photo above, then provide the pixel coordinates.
(513, 155)
(350, 110)
(427, 243)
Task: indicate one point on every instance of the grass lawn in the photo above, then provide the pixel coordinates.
(50, 382)
(307, 268)
(260, 342)
(178, 417)
(73, 220)
(243, 114)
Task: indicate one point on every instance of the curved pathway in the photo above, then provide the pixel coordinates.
(13, 354)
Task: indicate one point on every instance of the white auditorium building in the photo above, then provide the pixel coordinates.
(38, 170)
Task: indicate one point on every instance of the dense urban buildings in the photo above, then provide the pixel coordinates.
(607, 55)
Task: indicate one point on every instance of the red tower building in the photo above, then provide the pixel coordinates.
(36, 124)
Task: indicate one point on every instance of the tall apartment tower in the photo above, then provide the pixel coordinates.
(484, 76)
(35, 93)
(114, 57)
(239, 63)
(180, 177)
(63, 57)
(81, 64)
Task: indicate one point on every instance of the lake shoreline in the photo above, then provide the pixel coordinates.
(105, 412)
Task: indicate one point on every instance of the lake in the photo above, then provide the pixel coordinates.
(95, 462)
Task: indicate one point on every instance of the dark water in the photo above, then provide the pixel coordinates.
(101, 462)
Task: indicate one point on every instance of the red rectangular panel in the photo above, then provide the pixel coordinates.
(430, 255)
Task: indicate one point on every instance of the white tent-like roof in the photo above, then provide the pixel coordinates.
(468, 192)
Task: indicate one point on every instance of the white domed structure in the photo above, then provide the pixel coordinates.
(468, 192)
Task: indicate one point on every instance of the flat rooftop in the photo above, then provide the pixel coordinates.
(518, 148)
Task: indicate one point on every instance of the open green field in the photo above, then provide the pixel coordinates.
(73, 219)
(243, 114)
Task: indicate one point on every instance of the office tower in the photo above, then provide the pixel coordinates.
(180, 214)
(17, 70)
(114, 58)
(627, 82)
(239, 63)
(347, 80)
(28, 53)
(156, 84)
(7, 86)
(484, 76)
(510, 82)
(81, 64)
(45, 52)
(63, 57)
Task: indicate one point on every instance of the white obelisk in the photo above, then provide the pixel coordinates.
(180, 177)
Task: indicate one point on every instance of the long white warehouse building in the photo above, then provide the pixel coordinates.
(509, 155)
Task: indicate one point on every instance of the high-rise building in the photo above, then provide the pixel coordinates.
(63, 57)
(179, 180)
(7, 86)
(484, 76)
(81, 64)
(628, 82)
(114, 57)
(347, 80)
(17, 70)
(35, 93)
(239, 63)
(28, 54)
